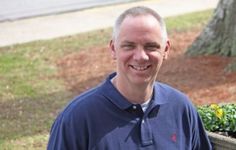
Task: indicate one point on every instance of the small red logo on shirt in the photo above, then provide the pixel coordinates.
(173, 137)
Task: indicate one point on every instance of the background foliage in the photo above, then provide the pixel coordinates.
(220, 117)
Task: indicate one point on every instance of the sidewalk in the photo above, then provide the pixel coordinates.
(48, 27)
(11, 10)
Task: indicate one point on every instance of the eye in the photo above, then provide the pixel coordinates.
(128, 46)
(152, 47)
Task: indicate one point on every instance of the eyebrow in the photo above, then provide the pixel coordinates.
(127, 42)
(153, 44)
(146, 44)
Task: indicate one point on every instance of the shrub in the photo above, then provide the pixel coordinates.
(219, 117)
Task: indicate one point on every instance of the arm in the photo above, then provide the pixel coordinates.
(200, 140)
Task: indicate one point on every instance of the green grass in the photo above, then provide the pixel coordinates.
(31, 95)
(18, 73)
(188, 21)
(35, 142)
(22, 65)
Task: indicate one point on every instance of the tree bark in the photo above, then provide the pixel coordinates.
(219, 36)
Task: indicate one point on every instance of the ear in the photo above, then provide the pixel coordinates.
(112, 49)
(167, 49)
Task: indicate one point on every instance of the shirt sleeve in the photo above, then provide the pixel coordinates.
(63, 137)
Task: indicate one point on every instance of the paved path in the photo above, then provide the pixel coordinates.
(53, 26)
(11, 10)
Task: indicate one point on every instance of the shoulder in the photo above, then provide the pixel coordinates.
(174, 97)
(73, 119)
(83, 104)
(170, 92)
(168, 88)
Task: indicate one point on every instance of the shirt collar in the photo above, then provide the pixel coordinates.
(109, 91)
(114, 95)
(159, 96)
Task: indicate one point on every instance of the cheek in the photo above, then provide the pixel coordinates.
(124, 57)
(156, 57)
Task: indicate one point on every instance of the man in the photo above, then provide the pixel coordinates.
(130, 111)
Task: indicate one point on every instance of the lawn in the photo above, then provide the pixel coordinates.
(31, 91)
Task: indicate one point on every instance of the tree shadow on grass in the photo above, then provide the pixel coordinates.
(30, 116)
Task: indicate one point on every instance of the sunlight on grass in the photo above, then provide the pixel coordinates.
(188, 21)
(24, 76)
(36, 142)
(28, 70)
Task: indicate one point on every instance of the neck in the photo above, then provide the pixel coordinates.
(135, 94)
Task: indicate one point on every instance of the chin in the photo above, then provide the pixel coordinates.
(141, 81)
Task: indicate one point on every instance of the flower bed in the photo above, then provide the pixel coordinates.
(220, 122)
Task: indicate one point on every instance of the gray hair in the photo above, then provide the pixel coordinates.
(138, 11)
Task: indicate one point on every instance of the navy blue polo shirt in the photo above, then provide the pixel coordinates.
(102, 119)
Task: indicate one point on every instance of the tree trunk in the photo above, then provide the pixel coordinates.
(219, 36)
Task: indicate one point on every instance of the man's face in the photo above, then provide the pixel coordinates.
(139, 50)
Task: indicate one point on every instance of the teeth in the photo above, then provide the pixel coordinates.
(139, 68)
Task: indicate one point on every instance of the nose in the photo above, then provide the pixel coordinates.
(140, 55)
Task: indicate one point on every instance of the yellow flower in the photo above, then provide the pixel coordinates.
(214, 106)
(219, 113)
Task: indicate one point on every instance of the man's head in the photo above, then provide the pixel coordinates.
(138, 11)
(139, 45)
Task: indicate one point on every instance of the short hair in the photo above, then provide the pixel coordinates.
(138, 11)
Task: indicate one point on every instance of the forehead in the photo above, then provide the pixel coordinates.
(139, 20)
(140, 26)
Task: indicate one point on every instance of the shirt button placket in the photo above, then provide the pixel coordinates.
(146, 133)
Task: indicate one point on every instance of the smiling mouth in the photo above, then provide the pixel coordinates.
(140, 68)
